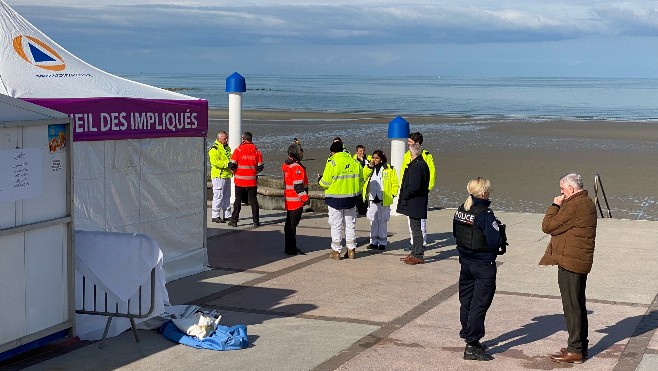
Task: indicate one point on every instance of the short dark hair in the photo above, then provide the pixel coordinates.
(247, 136)
(360, 146)
(416, 137)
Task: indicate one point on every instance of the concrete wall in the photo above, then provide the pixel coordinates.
(270, 195)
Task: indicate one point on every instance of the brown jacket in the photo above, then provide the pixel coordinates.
(573, 229)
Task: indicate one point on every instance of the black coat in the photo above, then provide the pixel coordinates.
(412, 200)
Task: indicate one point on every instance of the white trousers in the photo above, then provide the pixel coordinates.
(339, 220)
(378, 216)
(423, 228)
(221, 197)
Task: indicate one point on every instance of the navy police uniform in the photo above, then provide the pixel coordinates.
(480, 238)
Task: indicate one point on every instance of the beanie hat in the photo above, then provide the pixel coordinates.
(336, 147)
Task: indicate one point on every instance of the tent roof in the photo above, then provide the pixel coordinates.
(34, 66)
(13, 109)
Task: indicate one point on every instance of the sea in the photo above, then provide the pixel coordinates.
(623, 164)
(616, 99)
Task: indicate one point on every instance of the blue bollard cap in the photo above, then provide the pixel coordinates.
(235, 83)
(398, 128)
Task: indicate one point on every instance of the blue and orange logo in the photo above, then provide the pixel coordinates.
(37, 53)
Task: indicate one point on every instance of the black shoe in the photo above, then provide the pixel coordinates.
(218, 220)
(232, 223)
(372, 247)
(290, 252)
(382, 247)
(476, 353)
(256, 224)
(301, 252)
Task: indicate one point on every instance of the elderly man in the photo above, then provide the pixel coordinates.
(571, 222)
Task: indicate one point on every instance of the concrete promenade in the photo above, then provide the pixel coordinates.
(308, 312)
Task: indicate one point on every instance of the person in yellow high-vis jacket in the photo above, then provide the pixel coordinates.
(342, 182)
(219, 155)
(380, 186)
(363, 159)
(417, 138)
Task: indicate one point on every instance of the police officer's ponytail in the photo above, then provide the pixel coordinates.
(476, 187)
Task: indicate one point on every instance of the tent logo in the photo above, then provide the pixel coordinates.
(37, 53)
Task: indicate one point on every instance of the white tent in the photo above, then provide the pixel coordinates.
(138, 152)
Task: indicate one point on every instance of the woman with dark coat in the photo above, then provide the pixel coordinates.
(412, 201)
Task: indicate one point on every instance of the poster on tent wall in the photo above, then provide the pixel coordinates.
(119, 118)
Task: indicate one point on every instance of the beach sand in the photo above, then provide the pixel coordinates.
(523, 159)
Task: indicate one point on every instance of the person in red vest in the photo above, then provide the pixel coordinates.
(246, 162)
(295, 196)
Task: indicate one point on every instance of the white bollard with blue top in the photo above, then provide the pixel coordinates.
(398, 132)
(235, 86)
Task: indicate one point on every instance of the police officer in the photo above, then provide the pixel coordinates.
(342, 182)
(480, 238)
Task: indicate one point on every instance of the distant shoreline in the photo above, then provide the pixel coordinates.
(523, 158)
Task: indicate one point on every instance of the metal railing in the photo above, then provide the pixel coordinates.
(599, 185)
(102, 309)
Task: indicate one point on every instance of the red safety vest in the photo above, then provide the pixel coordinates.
(248, 158)
(294, 174)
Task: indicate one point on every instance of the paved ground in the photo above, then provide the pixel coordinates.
(376, 313)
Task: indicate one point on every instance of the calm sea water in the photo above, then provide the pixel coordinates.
(525, 98)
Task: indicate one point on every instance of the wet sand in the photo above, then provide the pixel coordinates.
(524, 159)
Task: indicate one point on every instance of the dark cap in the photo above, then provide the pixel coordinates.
(336, 147)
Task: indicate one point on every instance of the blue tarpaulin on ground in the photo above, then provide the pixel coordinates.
(224, 338)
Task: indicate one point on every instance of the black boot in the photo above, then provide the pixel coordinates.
(476, 352)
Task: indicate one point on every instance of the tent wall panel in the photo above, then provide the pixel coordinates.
(152, 186)
(12, 284)
(54, 180)
(46, 269)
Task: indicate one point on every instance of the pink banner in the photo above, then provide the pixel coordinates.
(131, 118)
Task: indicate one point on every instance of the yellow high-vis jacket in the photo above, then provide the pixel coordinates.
(219, 156)
(341, 181)
(390, 184)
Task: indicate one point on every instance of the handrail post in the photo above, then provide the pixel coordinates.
(599, 184)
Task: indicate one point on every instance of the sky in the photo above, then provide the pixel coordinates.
(501, 38)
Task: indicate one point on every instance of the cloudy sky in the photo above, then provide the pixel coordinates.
(544, 38)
